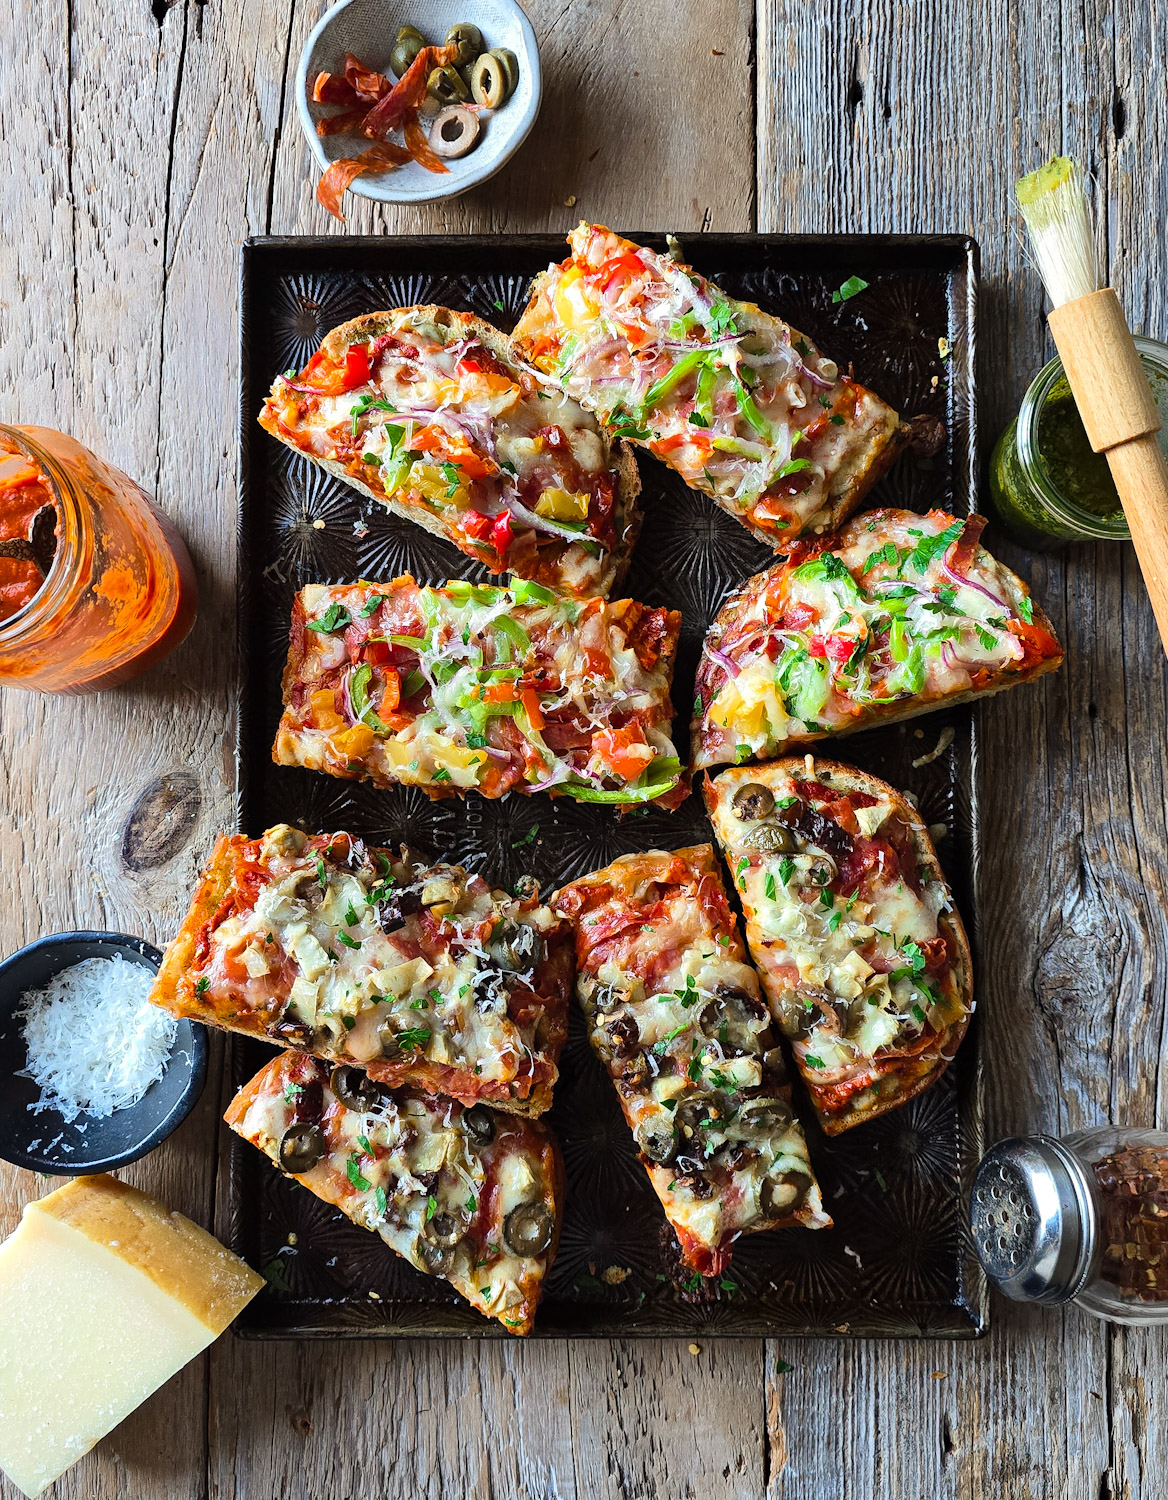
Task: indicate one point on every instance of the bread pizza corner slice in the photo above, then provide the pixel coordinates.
(423, 410)
(422, 974)
(863, 956)
(461, 1192)
(741, 405)
(477, 688)
(894, 615)
(675, 1015)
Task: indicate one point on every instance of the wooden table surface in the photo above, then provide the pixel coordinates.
(143, 142)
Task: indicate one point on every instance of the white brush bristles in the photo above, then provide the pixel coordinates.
(1055, 208)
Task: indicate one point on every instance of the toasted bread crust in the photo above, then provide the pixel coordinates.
(914, 1074)
(627, 517)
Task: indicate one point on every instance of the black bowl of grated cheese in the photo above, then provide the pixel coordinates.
(92, 1076)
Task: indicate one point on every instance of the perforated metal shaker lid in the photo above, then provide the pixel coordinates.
(1033, 1219)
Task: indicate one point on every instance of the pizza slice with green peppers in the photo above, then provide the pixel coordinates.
(893, 615)
(420, 973)
(741, 405)
(675, 1015)
(475, 688)
(424, 410)
(462, 1192)
(863, 956)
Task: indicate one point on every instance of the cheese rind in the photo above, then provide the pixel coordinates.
(104, 1295)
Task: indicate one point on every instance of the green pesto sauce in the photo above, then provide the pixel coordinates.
(1065, 452)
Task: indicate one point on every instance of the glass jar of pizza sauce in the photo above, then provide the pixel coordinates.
(1083, 1219)
(96, 585)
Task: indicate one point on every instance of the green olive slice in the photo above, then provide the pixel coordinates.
(446, 85)
(488, 82)
(301, 1147)
(510, 65)
(455, 131)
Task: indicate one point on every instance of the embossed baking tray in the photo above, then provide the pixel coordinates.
(897, 1262)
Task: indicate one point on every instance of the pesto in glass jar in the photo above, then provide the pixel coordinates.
(1047, 484)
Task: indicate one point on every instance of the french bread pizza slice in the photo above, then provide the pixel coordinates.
(424, 410)
(464, 1193)
(470, 687)
(892, 616)
(418, 972)
(675, 1015)
(863, 956)
(742, 406)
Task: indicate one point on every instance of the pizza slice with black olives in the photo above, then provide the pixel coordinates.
(422, 974)
(461, 1192)
(674, 1013)
(863, 956)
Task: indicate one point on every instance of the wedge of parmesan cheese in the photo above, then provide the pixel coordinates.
(104, 1295)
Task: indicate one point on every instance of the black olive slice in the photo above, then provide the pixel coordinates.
(353, 1088)
(479, 1123)
(656, 1140)
(780, 1196)
(301, 1147)
(528, 1229)
(753, 801)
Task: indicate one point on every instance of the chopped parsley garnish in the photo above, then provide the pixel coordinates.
(343, 937)
(419, 1003)
(413, 1037)
(930, 546)
(202, 986)
(919, 1014)
(381, 1201)
(727, 1285)
(336, 617)
(351, 917)
(497, 305)
(786, 869)
(782, 1367)
(528, 838)
(1026, 609)
(363, 1142)
(349, 1022)
(987, 638)
(431, 1207)
(659, 1048)
(814, 1062)
(852, 287)
(768, 886)
(889, 553)
(834, 920)
(321, 874)
(879, 1176)
(689, 995)
(373, 605)
(441, 774)
(695, 1068)
(353, 1171)
(743, 864)
(836, 419)
(292, 1092)
(471, 1204)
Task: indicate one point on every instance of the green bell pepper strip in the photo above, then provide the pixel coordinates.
(462, 592)
(672, 378)
(513, 632)
(707, 376)
(667, 774)
(523, 591)
(746, 405)
(740, 446)
(413, 642)
(359, 697)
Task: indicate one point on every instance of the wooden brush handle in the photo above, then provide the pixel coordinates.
(1111, 390)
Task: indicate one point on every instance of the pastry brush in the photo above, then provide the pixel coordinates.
(1103, 369)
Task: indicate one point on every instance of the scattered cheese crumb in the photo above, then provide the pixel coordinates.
(318, 524)
(376, 1296)
(945, 739)
(944, 347)
(570, 201)
(695, 1348)
(95, 1043)
(940, 1375)
(614, 1275)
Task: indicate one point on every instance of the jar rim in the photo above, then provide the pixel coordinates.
(58, 581)
(1085, 522)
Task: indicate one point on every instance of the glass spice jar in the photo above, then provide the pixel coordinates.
(1083, 1219)
(112, 586)
(1046, 483)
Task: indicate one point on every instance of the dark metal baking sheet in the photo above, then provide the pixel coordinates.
(897, 1262)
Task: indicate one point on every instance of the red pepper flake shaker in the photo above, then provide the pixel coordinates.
(1083, 1219)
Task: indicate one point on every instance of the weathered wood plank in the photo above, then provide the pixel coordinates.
(920, 118)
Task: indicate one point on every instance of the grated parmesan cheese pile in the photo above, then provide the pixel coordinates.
(95, 1043)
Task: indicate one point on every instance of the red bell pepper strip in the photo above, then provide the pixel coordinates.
(501, 534)
(358, 370)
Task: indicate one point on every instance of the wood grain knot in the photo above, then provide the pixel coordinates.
(161, 821)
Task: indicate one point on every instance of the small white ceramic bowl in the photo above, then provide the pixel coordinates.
(368, 29)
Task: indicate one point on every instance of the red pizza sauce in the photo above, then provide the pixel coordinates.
(24, 491)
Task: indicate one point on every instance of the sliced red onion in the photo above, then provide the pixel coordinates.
(542, 523)
(728, 664)
(968, 583)
(816, 378)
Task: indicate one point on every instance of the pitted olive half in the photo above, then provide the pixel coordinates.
(479, 1123)
(436, 1258)
(528, 1229)
(510, 65)
(406, 47)
(656, 1140)
(753, 801)
(301, 1147)
(517, 947)
(771, 838)
(468, 39)
(783, 1195)
(765, 1116)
